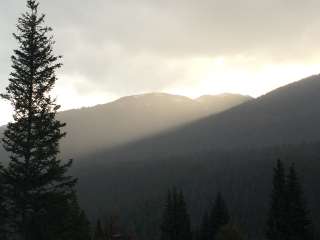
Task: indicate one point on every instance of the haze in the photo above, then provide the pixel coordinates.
(117, 48)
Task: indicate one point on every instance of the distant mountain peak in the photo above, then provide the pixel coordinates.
(153, 95)
(134, 117)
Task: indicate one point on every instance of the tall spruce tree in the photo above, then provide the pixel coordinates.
(298, 220)
(36, 181)
(167, 227)
(83, 226)
(219, 216)
(183, 218)
(276, 223)
(288, 217)
(176, 221)
(76, 223)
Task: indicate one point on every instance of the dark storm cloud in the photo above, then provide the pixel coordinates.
(124, 46)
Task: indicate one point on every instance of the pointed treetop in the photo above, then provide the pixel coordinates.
(292, 171)
(294, 190)
(219, 215)
(280, 166)
(33, 5)
(279, 177)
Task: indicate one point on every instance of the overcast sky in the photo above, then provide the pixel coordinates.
(113, 48)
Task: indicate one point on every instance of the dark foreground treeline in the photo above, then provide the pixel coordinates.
(287, 216)
(135, 191)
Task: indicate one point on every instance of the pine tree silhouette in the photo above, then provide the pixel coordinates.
(276, 223)
(219, 216)
(298, 220)
(76, 222)
(288, 218)
(36, 183)
(167, 227)
(176, 221)
(184, 225)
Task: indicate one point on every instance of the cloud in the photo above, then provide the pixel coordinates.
(184, 28)
(123, 47)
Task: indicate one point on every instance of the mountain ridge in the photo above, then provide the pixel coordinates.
(233, 152)
(283, 116)
(131, 118)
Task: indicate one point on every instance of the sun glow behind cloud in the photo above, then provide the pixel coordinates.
(240, 75)
(199, 76)
(67, 95)
(70, 97)
(183, 47)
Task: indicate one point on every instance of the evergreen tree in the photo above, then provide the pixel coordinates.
(276, 223)
(183, 218)
(298, 221)
(75, 226)
(219, 216)
(67, 221)
(36, 183)
(176, 221)
(288, 217)
(99, 233)
(84, 226)
(167, 219)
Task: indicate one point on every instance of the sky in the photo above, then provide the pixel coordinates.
(114, 48)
